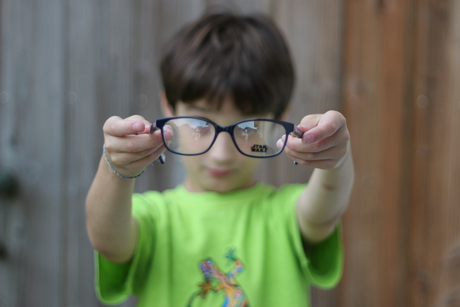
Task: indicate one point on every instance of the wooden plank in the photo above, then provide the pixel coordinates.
(31, 138)
(154, 23)
(377, 58)
(241, 6)
(98, 74)
(313, 30)
(434, 229)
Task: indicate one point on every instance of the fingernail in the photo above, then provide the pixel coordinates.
(138, 127)
(308, 139)
(168, 133)
(280, 144)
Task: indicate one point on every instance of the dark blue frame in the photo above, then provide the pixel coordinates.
(290, 128)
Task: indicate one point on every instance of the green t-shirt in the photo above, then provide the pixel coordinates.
(241, 248)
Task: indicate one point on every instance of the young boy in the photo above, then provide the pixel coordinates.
(221, 238)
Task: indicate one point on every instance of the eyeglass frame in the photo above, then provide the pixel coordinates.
(290, 128)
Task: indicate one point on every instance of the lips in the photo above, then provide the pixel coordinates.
(219, 172)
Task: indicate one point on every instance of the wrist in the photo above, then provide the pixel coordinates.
(114, 171)
(342, 175)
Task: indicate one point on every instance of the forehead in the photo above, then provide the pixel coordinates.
(226, 105)
(205, 108)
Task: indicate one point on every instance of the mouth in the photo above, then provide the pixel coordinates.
(219, 172)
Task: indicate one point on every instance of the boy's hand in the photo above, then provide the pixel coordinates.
(129, 147)
(324, 144)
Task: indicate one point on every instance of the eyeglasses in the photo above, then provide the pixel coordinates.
(255, 138)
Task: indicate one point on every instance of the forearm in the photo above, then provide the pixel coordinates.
(324, 200)
(111, 228)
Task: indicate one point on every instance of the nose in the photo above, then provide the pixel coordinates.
(223, 150)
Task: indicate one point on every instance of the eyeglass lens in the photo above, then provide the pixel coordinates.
(253, 138)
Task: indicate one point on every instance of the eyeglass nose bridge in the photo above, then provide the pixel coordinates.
(228, 129)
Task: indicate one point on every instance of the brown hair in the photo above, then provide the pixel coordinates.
(224, 54)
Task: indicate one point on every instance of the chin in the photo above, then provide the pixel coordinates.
(215, 186)
(221, 188)
(226, 186)
(203, 182)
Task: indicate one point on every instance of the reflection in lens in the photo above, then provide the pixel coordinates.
(258, 138)
(191, 135)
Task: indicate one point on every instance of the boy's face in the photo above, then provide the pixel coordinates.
(223, 168)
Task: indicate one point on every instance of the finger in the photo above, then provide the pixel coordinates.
(127, 159)
(328, 124)
(136, 117)
(133, 143)
(137, 143)
(333, 153)
(136, 167)
(296, 145)
(339, 138)
(309, 122)
(149, 159)
(140, 118)
(117, 126)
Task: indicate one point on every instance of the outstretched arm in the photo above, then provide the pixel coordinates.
(129, 148)
(325, 145)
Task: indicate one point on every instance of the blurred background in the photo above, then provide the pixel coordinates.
(392, 67)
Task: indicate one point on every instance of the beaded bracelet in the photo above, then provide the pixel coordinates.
(118, 174)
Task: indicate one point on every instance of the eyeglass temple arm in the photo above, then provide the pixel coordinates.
(297, 132)
(154, 128)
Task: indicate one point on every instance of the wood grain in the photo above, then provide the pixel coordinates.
(31, 143)
(377, 45)
(392, 67)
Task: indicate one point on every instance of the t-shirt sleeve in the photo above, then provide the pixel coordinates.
(116, 282)
(322, 266)
(326, 260)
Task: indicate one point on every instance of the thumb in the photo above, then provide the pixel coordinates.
(306, 124)
(309, 122)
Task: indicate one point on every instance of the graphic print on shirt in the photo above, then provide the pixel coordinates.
(219, 282)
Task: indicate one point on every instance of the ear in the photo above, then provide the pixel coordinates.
(166, 108)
